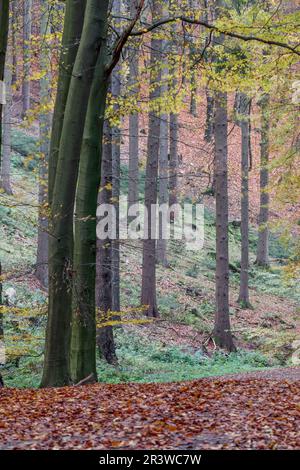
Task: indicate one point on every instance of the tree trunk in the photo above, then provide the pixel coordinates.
(116, 155)
(148, 297)
(222, 334)
(58, 334)
(173, 165)
(133, 164)
(5, 183)
(83, 346)
(244, 122)
(209, 123)
(45, 126)
(4, 24)
(26, 57)
(161, 253)
(263, 233)
(1, 324)
(74, 16)
(105, 339)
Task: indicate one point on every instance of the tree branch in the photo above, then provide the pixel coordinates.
(123, 39)
(211, 27)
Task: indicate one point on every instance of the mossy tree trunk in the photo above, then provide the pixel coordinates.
(58, 334)
(83, 358)
(73, 23)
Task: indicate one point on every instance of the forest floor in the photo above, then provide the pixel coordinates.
(250, 411)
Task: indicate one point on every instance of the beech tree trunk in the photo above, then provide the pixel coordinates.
(244, 123)
(148, 297)
(222, 333)
(41, 271)
(133, 163)
(74, 16)
(27, 24)
(262, 258)
(105, 338)
(58, 333)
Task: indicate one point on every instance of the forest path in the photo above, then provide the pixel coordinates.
(259, 410)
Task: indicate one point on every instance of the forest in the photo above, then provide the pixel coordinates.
(149, 225)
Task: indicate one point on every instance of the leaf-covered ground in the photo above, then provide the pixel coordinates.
(251, 411)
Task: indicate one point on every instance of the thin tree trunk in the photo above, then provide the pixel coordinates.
(148, 297)
(26, 56)
(173, 166)
(263, 232)
(13, 40)
(83, 345)
(5, 182)
(1, 325)
(161, 252)
(105, 338)
(4, 25)
(244, 122)
(45, 126)
(209, 123)
(58, 333)
(133, 164)
(116, 155)
(74, 16)
(222, 334)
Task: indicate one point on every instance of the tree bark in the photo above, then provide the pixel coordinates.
(148, 297)
(5, 182)
(58, 333)
(73, 23)
(161, 251)
(116, 155)
(133, 164)
(41, 271)
(262, 258)
(27, 24)
(244, 123)
(4, 24)
(105, 338)
(83, 346)
(221, 333)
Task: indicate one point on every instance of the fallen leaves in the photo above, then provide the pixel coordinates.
(253, 413)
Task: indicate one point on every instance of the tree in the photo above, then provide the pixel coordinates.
(4, 24)
(262, 258)
(133, 163)
(45, 126)
(222, 334)
(244, 109)
(148, 295)
(57, 353)
(5, 183)
(27, 25)
(104, 291)
(83, 360)
(161, 251)
(116, 154)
